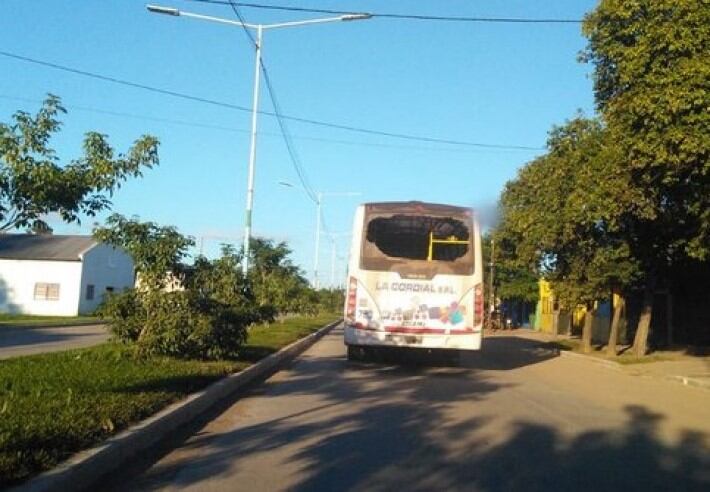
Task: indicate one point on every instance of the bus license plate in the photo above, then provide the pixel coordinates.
(406, 339)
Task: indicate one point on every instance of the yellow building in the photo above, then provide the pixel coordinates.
(546, 315)
(545, 308)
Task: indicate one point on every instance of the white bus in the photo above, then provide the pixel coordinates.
(415, 278)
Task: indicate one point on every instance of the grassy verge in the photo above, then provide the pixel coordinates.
(53, 405)
(30, 320)
(625, 358)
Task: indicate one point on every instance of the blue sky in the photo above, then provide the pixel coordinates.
(489, 83)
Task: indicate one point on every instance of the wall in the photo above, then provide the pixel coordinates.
(17, 283)
(104, 267)
(545, 312)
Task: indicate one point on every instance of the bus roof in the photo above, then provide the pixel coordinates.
(415, 206)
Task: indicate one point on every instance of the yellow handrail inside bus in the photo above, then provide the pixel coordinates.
(448, 240)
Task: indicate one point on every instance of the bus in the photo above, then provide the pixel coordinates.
(415, 278)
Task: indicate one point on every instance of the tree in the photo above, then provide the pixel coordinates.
(331, 300)
(221, 279)
(33, 183)
(561, 218)
(511, 282)
(651, 88)
(157, 251)
(277, 281)
(205, 316)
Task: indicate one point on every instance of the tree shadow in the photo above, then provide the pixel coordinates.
(177, 384)
(501, 353)
(254, 353)
(373, 426)
(504, 353)
(421, 394)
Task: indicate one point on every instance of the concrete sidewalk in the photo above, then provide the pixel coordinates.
(691, 372)
(685, 369)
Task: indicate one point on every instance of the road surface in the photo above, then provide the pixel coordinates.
(515, 417)
(16, 341)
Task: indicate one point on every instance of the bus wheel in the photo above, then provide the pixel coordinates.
(356, 353)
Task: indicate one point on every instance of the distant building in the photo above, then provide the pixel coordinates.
(59, 275)
(551, 317)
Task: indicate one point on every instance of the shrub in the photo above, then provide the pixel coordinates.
(180, 324)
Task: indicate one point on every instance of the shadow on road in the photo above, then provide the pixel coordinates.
(501, 353)
(389, 427)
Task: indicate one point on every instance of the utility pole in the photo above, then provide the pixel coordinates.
(319, 206)
(319, 199)
(492, 297)
(332, 263)
(171, 11)
(252, 154)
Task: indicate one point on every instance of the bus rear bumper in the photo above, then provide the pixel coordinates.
(368, 337)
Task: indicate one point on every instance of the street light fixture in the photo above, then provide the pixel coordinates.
(157, 9)
(319, 203)
(259, 28)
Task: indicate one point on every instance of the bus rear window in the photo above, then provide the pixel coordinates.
(433, 240)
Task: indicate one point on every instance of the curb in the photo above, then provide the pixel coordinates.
(85, 468)
(608, 363)
(686, 381)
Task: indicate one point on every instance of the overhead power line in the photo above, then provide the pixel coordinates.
(237, 107)
(392, 15)
(288, 141)
(212, 126)
(128, 83)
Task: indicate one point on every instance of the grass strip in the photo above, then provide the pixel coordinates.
(27, 320)
(54, 405)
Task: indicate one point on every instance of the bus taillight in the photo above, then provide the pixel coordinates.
(352, 299)
(477, 305)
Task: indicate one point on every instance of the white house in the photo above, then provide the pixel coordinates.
(59, 275)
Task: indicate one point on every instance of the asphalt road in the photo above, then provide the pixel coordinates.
(27, 341)
(514, 417)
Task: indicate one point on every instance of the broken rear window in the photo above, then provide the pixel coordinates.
(419, 242)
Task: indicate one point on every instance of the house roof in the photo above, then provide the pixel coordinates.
(44, 247)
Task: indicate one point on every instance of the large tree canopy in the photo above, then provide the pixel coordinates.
(34, 183)
(652, 88)
(561, 215)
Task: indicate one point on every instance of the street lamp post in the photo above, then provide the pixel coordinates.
(333, 253)
(319, 205)
(319, 201)
(157, 9)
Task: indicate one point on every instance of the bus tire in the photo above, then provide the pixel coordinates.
(356, 353)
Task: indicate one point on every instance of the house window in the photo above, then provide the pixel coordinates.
(90, 292)
(109, 289)
(46, 292)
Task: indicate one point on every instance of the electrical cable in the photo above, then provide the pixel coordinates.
(293, 155)
(400, 16)
(181, 95)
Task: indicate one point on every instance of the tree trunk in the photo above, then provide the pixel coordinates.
(587, 330)
(555, 321)
(614, 330)
(669, 318)
(641, 339)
